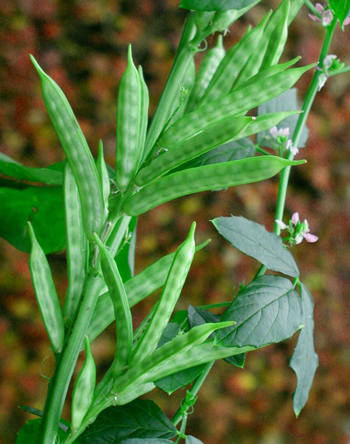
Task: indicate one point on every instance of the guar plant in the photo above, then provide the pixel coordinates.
(197, 140)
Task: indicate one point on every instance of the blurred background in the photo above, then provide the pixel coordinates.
(82, 44)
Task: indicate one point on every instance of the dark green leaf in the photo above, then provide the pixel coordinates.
(341, 9)
(192, 440)
(29, 432)
(180, 316)
(169, 333)
(236, 360)
(178, 380)
(137, 420)
(126, 257)
(11, 168)
(267, 311)
(287, 101)
(239, 149)
(43, 207)
(197, 316)
(215, 5)
(255, 241)
(304, 360)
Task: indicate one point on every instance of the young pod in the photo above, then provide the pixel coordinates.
(278, 39)
(265, 122)
(185, 90)
(77, 246)
(236, 103)
(166, 304)
(77, 152)
(144, 115)
(205, 73)
(200, 354)
(205, 178)
(121, 309)
(104, 177)
(46, 294)
(210, 137)
(232, 64)
(269, 72)
(137, 288)
(172, 349)
(128, 125)
(83, 390)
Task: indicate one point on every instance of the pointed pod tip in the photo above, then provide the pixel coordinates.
(192, 229)
(87, 344)
(130, 59)
(31, 233)
(37, 66)
(100, 148)
(226, 324)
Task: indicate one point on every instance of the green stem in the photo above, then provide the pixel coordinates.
(182, 429)
(65, 366)
(193, 390)
(308, 102)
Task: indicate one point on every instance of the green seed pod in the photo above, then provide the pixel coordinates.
(46, 294)
(268, 72)
(83, 390)
(104, 177)
(144, 114)
(137, 289)
(128, 125)
(172, 349)
(77, 151)
(209, 138)
(116, 237)
(266, 122)
(166, 304)
(236, 103)
(232, 64)
(198, 354)
(185, 90)
(121, 309)
(77, 246)
(210, 177)
(254, 65)
(205, 74)
(278, 39)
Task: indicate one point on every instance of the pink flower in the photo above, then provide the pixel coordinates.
(295, 218)
(297, 230)
(326, 14)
